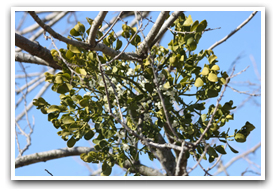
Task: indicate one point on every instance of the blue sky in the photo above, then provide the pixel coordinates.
(246, 42)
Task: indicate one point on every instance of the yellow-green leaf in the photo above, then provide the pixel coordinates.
(73, 32)
(223, 80)
(188, 21)
(53, 108)
(194, 26)
(79, 27)
(212, 58)
(173, 60)
(166, 85)
(212, 77)
(58, 79)
(215, 67)
(205, 71)
(199, 82)
(68, 120)
(240, 138)
(69, 54)
(74, 49)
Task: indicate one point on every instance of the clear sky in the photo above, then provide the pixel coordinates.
(246, 42)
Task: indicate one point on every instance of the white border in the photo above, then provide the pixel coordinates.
(262, 177)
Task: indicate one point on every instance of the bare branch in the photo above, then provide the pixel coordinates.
(111, 27)
(166, 25)
(200, 159)
(123, 15)
(99, 47)
(36, 50)
(65, 152)
(151, 35)
(30, 105)
(51, 23)
(36, 26)
(95, 27)
(233, 32)
(245, 92)
(252, 150)
(23, 57)
(49, 155)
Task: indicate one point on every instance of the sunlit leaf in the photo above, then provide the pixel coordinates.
(212, 77)
(199, 82)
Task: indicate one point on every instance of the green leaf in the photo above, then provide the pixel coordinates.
(73, 32)
(89, 134)
(184, 81)
(85, 101)
(211, 93)
(89, 20)
(118, 44)
(68, 120)
(69, 54)
(194, 26)
(149, 87)
(188, 21)
(40, 102)
(212, 152)
(79, 27)
(202, 26)
(71, 142)
(249, 126)
(53, 108)
(63, 88)
(232, 149)
(106, 169)
(220, 149)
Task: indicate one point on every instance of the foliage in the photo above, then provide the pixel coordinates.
(97, 97)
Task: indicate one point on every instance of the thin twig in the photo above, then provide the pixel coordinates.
(198, 162)
(233, 32)
(245, 92)
(111, 27)
(252, 150)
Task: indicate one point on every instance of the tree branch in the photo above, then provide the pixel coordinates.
(95, 27)
(252, 150)
(49, 155)
(28, 58)
(35, 25)
(65, 152)
(234, 31)
(30, 105)
(36, 50)
(151, 35)
(165, 26)
(99, 47)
